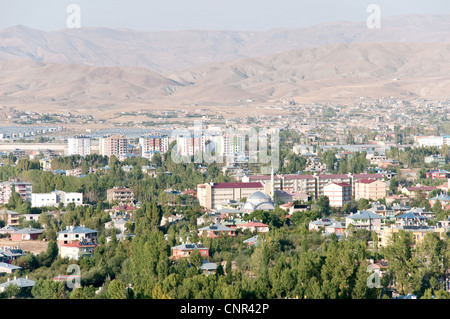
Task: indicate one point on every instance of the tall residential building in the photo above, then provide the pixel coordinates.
(370, 189)
(22, 188)
(79, 145)
(18, 153)
(339, 194)
(299, 184)
(358, 177)
(232, 145)
(325, 179)
(153, 143)
(189, 145)
(113, 145)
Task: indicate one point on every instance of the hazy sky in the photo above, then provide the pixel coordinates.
(251, 15)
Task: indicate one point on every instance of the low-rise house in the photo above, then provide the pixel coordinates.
(9, 254)
(8, 230)
(385, 211)
(28, 233)
(410, 219)
(119, 224)
(252, 241)
(364, 220)
(254, 226)
(443, 198)
(215, 230)
(337, 228)
(8, 268)
(208, 268)
(78, 249)
(423, 212)
(417, 233)
(438, 174)
(185, 250)
(229, 212)
(233, 222)
(445, 187)
(321, 223)
(30, 217)
(73, 235)
(124, 210)
(22, 283)
(328, 225)
(172, 219)
(411, 191)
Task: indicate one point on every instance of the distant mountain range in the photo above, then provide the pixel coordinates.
(178, 50)
(109, 70)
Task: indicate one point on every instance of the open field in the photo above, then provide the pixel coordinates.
(32, 246)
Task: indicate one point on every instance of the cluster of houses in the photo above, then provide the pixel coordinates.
(385, 220)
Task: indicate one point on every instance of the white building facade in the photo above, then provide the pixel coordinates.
(79, 145)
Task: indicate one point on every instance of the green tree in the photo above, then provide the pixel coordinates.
(116, 290)
(195, 258)
(49, 289)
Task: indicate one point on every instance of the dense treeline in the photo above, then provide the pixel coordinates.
(414, 157)
(176, 176)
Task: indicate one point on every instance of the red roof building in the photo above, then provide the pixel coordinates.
(255, 226)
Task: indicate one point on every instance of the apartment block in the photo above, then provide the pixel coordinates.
(153, 143)
(370, 189)
(79, 145)
(299, 184)
(339, 194)
(120, 194)
(113, 145)
(22, 188)
(326, 179)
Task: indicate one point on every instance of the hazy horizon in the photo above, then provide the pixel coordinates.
(177, 15)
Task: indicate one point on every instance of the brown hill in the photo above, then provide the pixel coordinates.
(329, 73)
(178, 50)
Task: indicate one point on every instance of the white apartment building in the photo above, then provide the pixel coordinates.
(79, 145)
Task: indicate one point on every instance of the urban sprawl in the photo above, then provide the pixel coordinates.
(301, 201)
